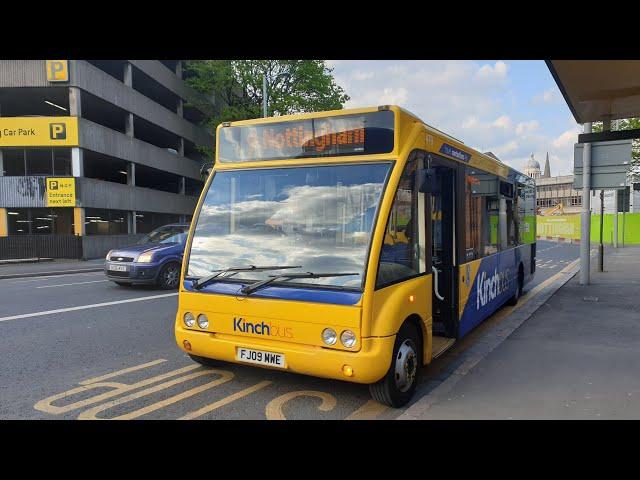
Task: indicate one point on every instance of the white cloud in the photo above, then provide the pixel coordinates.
(548, 96)
(360, 75)
(497, 71)
(567, 138)
(503, 121)
(472, 101)
(527, 127)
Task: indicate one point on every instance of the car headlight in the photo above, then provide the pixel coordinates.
(348, 338)
(189, 319)
(108, 255)
(203, 321)
(145, 257)
(329, 336)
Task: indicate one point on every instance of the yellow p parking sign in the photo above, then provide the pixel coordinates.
(57, 70)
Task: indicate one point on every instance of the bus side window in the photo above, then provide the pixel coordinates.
(482, 210)
(400, 253)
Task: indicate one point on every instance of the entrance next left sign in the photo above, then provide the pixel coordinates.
(61, 192)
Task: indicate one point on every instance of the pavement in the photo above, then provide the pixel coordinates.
(78, 346)
(50, 267)
(573, 356)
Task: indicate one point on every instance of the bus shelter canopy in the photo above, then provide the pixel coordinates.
(597, 90)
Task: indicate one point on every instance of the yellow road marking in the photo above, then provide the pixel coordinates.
(118, 388)
(225, 376)
(274, 407)
(122, 372)
(225, 401)
(368, 411)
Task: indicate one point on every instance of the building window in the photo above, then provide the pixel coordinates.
(13, 162)
(40, 221)
(19, 162)
(105, 222)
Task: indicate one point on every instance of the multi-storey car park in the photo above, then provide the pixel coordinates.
(95, 153)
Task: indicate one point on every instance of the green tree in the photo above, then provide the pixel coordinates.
(293, 86)
(627, 124)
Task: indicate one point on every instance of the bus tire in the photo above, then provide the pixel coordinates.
(516, 296)
(396, 388)
(207, 362)
(169, 276)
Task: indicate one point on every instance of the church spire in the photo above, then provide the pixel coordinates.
(547, 168)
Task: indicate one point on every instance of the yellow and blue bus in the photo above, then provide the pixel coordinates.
(351, 244)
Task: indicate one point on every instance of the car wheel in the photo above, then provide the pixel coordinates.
(169, 276)
(397, 386)
(123, 284)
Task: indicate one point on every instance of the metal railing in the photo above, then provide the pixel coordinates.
(40, 246)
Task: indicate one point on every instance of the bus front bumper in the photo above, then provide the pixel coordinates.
(368, 365)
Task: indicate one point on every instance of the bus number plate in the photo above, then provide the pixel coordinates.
(261, 358)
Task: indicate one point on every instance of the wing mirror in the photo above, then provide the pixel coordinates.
(427, 181)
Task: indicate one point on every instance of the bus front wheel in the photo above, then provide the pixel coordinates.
(397, 386)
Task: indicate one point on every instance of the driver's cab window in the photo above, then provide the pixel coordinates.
(402, 256)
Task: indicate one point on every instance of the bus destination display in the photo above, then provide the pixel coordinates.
(364, 134)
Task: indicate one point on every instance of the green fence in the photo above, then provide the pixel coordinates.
(568, 226)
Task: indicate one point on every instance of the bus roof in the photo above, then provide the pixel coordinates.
(436, 140)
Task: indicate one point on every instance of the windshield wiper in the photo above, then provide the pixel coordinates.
(204, 281)
(257, 285)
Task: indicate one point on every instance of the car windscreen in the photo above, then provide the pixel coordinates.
(166, 235)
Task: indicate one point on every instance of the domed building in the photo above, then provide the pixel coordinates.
(532, 168)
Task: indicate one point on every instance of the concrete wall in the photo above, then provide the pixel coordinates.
(99, 194)
(96, 82)
(101, 139)
(22, 192)
(31, 73)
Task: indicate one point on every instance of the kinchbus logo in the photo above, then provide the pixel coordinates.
(263, 328)
(490, 287)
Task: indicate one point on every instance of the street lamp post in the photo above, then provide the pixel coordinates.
(264, 96)
(265, 92)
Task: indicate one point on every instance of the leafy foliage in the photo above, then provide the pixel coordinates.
(293, 86)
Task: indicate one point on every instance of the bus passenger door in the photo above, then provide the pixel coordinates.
(442, 205)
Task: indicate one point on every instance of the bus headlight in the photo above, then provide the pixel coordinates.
(145, 257)
(348, 338)
(189, 319)
(329, 336)
(203, 321)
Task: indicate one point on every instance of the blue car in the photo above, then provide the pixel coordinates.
(154, 260)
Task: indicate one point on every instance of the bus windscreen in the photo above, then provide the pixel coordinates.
(362, 134)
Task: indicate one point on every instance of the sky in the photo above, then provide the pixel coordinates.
(511, 108)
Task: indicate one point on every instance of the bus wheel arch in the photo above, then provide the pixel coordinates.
(519, 286)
